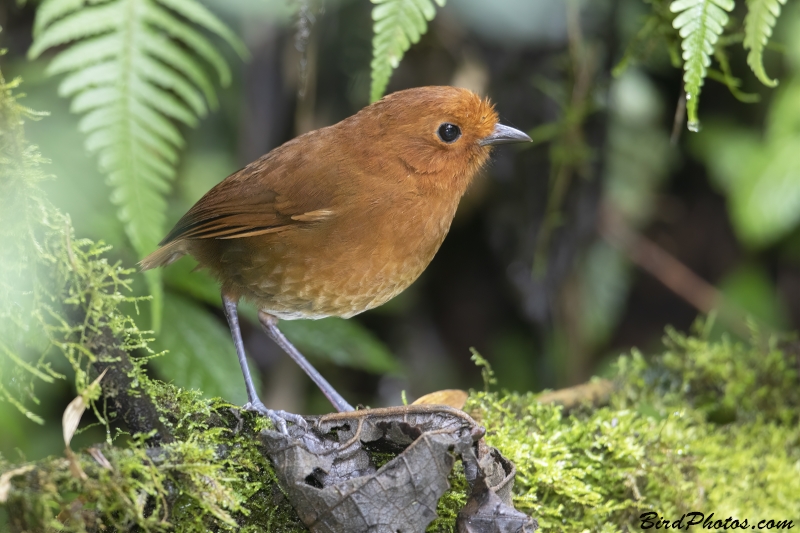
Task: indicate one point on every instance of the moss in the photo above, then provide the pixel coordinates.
(725, 380)
(657, 447)
(212, 477)
(452, 502)
(592, 470)
(661, 445)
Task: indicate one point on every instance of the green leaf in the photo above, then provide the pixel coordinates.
(194, 40)
(699, 23)
(198, 284)
(167, 78)
(135, 67)
(344, 342)
(96, 75)
(52, 10)
(761, 181)
(750, 288)
(85, 53)
(84, 23)
(398, 25)
(201, 16)
(758, 24)
(176, 57)
(765, 203)
(201, 354)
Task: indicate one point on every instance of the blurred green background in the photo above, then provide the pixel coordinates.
(542, 270)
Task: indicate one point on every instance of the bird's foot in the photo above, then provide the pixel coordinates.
(279, 418)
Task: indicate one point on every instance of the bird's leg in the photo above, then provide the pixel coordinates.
(270, 324)
(279, 418)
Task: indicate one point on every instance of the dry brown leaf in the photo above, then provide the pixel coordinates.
(486, 512)
(335, 486)
(5, 480)
(455, 398)
(98, 456)
(72, 417)
(74, 411)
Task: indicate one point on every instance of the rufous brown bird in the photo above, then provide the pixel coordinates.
(338, 220)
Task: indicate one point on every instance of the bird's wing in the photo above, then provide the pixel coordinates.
(257, 200)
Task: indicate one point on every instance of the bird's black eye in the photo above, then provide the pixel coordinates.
(449, 132)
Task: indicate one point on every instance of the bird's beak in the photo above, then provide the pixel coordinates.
(504, 135)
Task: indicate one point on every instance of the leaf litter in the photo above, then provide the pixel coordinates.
(335, 486)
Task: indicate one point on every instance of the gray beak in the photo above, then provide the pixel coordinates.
(504, 135)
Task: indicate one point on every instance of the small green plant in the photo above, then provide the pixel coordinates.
(702, 29)
(699, 23)
(398, 25)
(761, 18)
(135, 68)
(486, 369)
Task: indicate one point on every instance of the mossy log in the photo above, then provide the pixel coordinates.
(705, 427)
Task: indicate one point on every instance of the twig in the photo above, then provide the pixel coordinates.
(663, 266)
(677, 123)
(597, 393)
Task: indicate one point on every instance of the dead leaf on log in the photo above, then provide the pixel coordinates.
(486, 512)
(489, 508)
(455, 398)
(335, 487)
(70, 420)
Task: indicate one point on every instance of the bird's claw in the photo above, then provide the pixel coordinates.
(279, 418)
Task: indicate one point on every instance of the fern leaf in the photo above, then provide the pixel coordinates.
(176, 57)
(398, 25)
(51, 10)
(98, 119)
(193, 39)
(94, 98)
(761, 18)
(167, 78)
(134, 68)
(85, 53)
(201, 16)
(86, 22)
(699, 23)
(98, 74)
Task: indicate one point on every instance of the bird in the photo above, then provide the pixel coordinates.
(338, 220)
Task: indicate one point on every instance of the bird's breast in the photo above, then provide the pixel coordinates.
(349, 263)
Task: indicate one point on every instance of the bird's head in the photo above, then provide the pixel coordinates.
(443, 135)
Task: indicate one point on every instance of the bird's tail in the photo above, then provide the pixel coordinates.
(165, 255)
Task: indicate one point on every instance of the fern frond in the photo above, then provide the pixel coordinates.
(761, 18)
(398, 25)
(52, 10)
(80, 24)
(85, 53)
(699, 23)
(134, 68)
